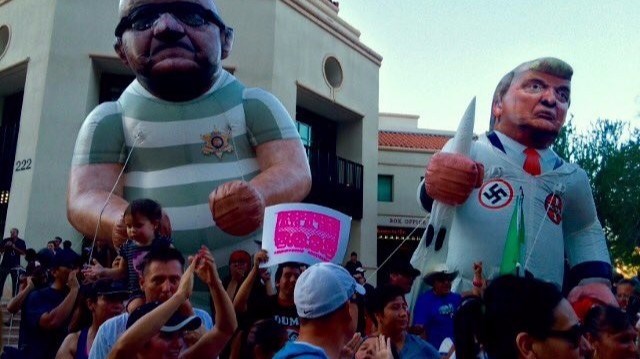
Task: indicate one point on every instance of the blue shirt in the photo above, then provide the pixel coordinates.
(414, 347)
(35, 341)
(112, 329)
(300, 350)
(435, 313)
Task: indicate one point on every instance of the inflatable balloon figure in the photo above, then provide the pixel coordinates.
(187, 134)
(507, 199)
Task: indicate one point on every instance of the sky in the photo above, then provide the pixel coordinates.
(438, 54)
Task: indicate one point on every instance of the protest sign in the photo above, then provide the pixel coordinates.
(305, 233)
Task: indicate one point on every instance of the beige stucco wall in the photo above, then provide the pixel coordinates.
(407, 166)
(299, 46)
(57, 37)
(406, 169)
(29, 45)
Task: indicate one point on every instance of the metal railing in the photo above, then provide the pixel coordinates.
(337, 182)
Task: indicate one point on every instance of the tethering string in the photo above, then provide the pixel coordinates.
(138, 139)
(423, 220)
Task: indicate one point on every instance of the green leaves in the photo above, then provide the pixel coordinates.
(610, 154)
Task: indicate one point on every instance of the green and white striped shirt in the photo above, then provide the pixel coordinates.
(183, 150)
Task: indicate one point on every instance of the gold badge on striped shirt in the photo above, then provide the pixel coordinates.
(216, 143)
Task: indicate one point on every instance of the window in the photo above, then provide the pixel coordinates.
(305, 133)
(385, 188)
(112, 86)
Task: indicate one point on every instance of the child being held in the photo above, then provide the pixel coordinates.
(142, 219)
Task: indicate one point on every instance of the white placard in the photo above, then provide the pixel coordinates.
(305, 233)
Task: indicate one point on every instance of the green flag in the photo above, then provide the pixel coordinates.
(515, 240)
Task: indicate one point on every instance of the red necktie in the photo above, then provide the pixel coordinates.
(532, 162)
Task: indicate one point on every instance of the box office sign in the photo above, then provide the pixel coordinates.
(402, 221)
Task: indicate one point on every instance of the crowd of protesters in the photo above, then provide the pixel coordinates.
(306, 311)
(138, 306)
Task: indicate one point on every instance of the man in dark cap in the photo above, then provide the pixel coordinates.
(402, 274)
(353, 263)
(46, 312)
(162, 269)
(104, 299)
(157, 330)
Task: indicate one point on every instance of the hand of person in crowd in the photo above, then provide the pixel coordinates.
(377, 347)
(116, 262)
(119, 233)
(265, 275)
(72, 281)
(93, 272)
(206, 268)
(450, 177)
(260, 257)
(383, 349)
(349, 349)
(30, 283)
(479, 283)
(191, 337)
(185, 287)
(478, 278)
(477, 269)
(237, 207)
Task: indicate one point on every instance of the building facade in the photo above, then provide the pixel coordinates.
(57, 63)
(403, 153)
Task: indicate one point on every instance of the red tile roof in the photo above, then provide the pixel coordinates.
(409, 140)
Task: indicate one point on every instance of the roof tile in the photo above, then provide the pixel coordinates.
(412, 140)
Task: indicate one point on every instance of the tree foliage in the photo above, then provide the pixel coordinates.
(609, 152)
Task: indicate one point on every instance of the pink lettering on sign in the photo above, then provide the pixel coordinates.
(303, 231)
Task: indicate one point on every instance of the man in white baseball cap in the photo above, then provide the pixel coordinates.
(322, 296)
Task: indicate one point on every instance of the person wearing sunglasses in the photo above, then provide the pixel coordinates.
(192, 136)
(520, 318)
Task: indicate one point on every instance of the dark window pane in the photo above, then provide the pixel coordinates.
(385, 188)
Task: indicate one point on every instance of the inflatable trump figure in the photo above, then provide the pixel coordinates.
(517, 206)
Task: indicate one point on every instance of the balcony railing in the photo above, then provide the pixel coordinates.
(337, 182)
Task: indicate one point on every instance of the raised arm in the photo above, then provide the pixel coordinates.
(68, 348)
(55, 318)
(15, 303)
(242, 297)
(211, 344)
(21, 248)
(150, 324)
